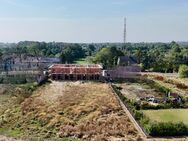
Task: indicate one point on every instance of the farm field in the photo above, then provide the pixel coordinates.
(168, 115)
(68, 109)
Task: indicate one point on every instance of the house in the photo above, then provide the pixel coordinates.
(127, 67)
(26, 63)
(75, 72)
(126, 61)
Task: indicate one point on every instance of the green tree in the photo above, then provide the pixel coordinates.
(108, 56)
(91, 48)
(139, 55)
(183, 71)
(71, 53)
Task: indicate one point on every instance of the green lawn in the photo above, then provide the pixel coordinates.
(169, 115)
(82, 61)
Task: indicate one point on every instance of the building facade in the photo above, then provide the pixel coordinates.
(26, 63)
(75, 72)
(127, 67)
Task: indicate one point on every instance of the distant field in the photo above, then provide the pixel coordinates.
(170, 115)
(82, 61)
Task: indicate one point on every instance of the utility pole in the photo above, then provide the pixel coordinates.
(125, 31)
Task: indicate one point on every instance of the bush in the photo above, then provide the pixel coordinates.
(14, 80)
(183, 71)
(138, 115)
(29, 87)
(167, 129)
(170, 104)
(147, 106)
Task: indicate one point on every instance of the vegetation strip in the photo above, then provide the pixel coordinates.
(137, 126)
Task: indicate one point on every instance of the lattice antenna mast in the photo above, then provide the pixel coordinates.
(125, 31)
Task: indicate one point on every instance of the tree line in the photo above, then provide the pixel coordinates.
(158, 57)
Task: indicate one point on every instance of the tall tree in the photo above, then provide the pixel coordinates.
(108, 56)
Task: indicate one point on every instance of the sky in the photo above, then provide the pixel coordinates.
(92, 21)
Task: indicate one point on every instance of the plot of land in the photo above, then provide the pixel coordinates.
(67, 109)
(171, 81)
(137, 91)
(169, 115)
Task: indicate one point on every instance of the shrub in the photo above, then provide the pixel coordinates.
(147, 106)
(14, 80)
(138, 115)
(29, 87)
(183, 71)
(167, 129)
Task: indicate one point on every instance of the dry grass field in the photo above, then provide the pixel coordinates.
(69, 109)
(171, 81)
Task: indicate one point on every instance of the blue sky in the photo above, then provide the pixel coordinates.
(93, 20)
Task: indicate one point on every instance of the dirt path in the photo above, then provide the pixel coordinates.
(51, 93)
(4, 138)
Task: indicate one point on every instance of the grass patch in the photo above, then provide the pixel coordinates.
(168, 115)
(82, 61)
(16, 132)
(29, 86)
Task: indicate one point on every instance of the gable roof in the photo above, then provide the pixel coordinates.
(129, 59)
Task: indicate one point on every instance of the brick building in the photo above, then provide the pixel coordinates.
(75, 72)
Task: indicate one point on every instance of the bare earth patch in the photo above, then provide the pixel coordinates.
(137, 91)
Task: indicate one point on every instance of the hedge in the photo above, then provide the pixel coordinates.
(167, 129)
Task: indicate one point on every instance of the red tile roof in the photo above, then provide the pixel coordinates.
(75, 69)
